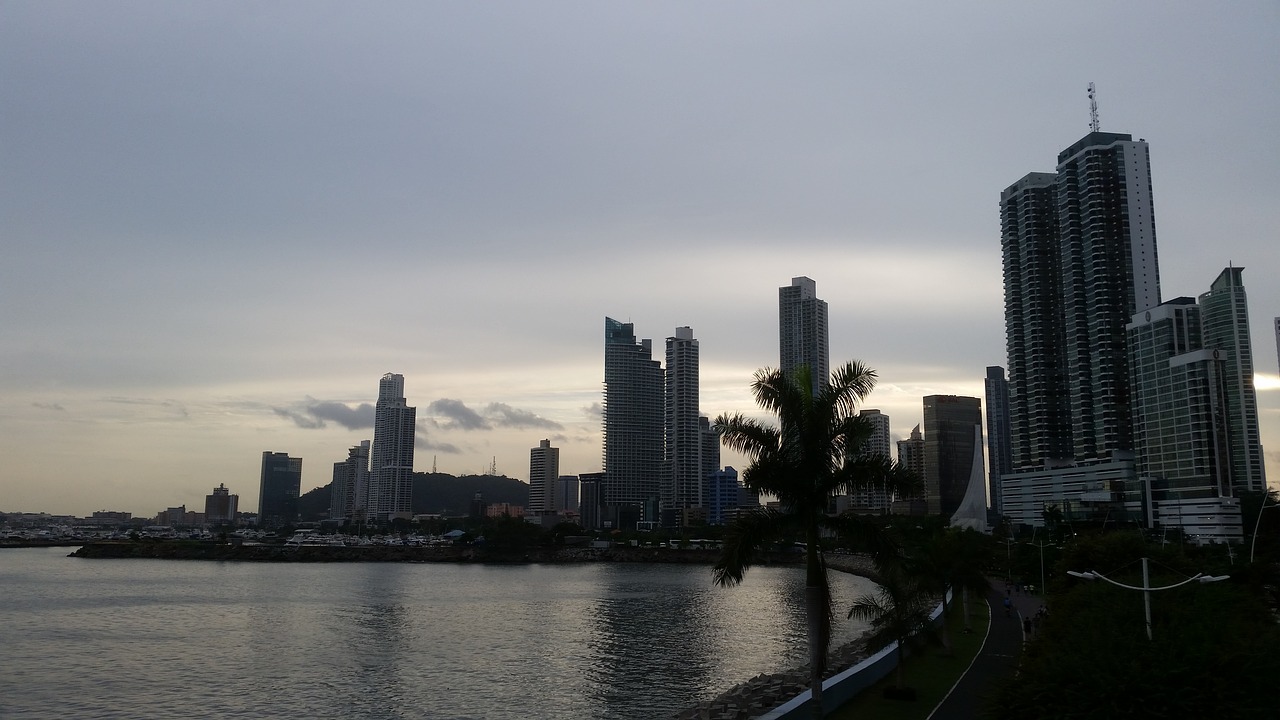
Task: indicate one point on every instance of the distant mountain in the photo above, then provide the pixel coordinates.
(435, 493)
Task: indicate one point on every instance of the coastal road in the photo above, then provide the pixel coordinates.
(997, 661)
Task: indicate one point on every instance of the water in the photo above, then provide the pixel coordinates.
(191, 639)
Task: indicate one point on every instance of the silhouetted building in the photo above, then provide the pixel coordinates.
(590, 504)
(999, 452)
(874, 499)
(682, 463)
(911, 458)
(633, 427)
(949, 421)
(802, 330)
(220, 506)
(350, 489)
(278, 489)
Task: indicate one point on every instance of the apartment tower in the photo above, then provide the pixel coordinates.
(633, 428)
(802, 330)
(391, 457)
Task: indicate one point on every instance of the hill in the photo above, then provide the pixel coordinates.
(435, 493)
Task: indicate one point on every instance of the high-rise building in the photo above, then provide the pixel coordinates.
(999, 452)
(590, 507)
(802, 330)
(1224, 318)
(278, 489)
(391, 457)
(874, 499)
(220, 507)
(1079, 253)
(348, 494)
(682, 462)
(949, 421)
(723, 496)
(911, 458)
(710, 446)
(544, 468)
(633, 427)
(567, 494)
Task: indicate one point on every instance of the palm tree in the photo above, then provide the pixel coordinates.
(898, 611)
(952, 559)
(814, 452)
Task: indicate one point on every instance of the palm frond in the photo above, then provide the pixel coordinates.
(743, 542)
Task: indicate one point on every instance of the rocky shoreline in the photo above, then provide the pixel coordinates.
(195, 550)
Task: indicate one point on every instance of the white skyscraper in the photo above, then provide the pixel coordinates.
(874, 500)
(544, 468)
(802, 330)
(391, 458)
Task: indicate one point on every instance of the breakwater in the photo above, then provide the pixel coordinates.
(181, 550)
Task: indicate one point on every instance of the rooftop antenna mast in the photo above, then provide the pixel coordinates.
(1094, 126)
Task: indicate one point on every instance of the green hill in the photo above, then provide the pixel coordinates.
(435, 493)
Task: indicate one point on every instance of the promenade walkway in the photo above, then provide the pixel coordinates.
(998, 659)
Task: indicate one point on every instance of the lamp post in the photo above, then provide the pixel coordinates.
(1146, 586)
(1042, 544)
(1266, 495)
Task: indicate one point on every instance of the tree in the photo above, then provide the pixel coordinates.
(898, 611)
(955, 559)
(813, 452)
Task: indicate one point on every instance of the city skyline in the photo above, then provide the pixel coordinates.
(221, 225)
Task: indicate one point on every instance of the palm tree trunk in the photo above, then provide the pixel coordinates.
(946, 635)
(964, 596)
(815, 605)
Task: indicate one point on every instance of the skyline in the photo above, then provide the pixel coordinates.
(225, 224)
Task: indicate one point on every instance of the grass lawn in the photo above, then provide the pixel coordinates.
(931, 672)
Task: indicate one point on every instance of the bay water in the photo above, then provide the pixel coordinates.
(196, 639)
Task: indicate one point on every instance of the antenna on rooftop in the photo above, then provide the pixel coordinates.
(1094, 126)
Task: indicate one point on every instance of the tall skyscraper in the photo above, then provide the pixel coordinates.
(633, 427)
(682, 464)
(1079, 252)
(391, 458)
(544, 468)
(802, 330)
(949, 421)
(1224, 317)
(590, 507)
(567, 494)
(278, 489)
(349, 491)
(999, 452)
(1108, 238)
(710, 446)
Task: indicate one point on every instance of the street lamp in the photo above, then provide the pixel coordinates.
(1258, 524)
(1146, 585)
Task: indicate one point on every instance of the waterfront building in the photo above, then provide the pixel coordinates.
(567, 494)
(349, 492)
(633, 428)
(278, 489)
(682, 475)
(802, 330)
(999, 452)
(1079, 256)
(911, 458)
(874, 499)
(220, 506)
(391, 456)
(544, 469)
(723, 496)
(949, 421)
(589, 504)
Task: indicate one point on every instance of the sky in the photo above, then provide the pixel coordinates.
(223, 222)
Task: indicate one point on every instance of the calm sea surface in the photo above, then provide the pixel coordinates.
(193, 639)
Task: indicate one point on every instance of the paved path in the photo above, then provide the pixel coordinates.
(997, 660)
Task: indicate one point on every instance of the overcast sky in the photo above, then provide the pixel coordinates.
(222, 222)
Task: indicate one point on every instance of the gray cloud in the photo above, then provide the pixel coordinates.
(593, 411)
(49, 406)
(313, 414)
(458, 415)
(503, 415)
